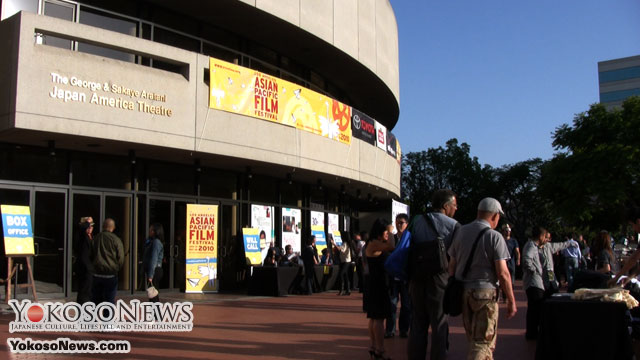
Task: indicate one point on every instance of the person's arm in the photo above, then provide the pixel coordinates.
(452, 266)
(517, 254)
(630, 263)
(529, 259)
(505, 283)
(120, 252)
(555, 247)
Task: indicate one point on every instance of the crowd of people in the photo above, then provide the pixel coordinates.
(486, 261)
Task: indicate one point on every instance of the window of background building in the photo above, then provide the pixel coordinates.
(217, 183)
(111, 22)
(291, 195)
(263, 189)
(170, 178)
(22, 163)
(220, 53)
(317, 196)
(101, 171)
(61, 10)
(219, 36)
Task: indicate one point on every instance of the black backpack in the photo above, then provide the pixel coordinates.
(427, 258)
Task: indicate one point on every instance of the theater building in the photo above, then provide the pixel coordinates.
(134, 109)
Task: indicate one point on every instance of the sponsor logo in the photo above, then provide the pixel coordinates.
(356, 121)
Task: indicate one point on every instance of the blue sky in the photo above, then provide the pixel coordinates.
(502, 75)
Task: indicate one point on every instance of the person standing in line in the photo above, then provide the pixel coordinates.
(359, 241)
(572, 260)
(107, 256)
(538, 277)
(514, 252)
(488, 271)
(399, 291)
(427, 290)
(634, 220)
(84, 268)
(309, 260)
(152, 257)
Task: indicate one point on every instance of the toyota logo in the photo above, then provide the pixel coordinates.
(356, 121)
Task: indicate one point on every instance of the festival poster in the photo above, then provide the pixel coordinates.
(391, 145)
(17, 230)
(333, 223)
(363, 127)
(291, 225)
(262, 218)
(202, 249)
(381, 136)
(251, 237)
(249, 92)
(317, 229)
(337, 238)
(398, 152)
(397, 208)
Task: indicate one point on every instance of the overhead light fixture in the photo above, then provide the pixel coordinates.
(319, 184)
(196, 164)
(343, 189)
(132, 157)
(249, 173)
(52, 147)
(289, 178)
(358, 193)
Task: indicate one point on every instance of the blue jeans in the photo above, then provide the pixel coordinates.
(104, 289)
(398, 290)
(570, 267)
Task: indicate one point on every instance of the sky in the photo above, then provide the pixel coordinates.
(503, 75)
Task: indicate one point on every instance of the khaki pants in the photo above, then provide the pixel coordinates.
(480, 317)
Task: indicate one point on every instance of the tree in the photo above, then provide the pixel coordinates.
(450, 167)
(594, 176)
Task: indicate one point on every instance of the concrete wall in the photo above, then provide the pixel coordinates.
(364, 29)
(193, 126)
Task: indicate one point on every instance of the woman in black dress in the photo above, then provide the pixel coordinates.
(376, 297)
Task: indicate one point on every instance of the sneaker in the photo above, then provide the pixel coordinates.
(403, 334)
(388, 335)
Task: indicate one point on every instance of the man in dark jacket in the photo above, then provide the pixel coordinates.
(107, 256)
(84, 266)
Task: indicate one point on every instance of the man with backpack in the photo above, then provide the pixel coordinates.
(431, 236)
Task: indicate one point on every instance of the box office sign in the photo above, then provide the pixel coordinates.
(363, 127)
(249, 92)
(202, 248)
(17, 230)
(69, 88)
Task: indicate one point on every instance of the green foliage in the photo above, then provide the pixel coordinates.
(594, 176)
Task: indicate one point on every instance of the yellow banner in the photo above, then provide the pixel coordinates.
(251, 237)
(17, 230)
(202, 248)
(249, 92)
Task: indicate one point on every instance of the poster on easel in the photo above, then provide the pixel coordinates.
(291, 226)
(317, 229)
(397, 208)
(262, 218)
(202, 249)
(17, 230)
(251, 238)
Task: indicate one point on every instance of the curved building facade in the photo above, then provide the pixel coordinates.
(134, 109)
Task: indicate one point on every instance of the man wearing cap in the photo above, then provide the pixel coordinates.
(488, 269)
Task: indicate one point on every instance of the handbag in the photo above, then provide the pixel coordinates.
(550, 283)
(453, 293)
(152, 292)
(396, 262)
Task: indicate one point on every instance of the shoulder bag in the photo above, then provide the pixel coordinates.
(453, 293)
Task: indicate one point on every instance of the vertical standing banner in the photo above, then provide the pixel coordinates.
(333, 227)
(251, 237)
(202, 248)
(262, 219)
(317, 229)
(249, 92)
(17, 230)
(337, 238)
(397, 208)
(291, 225)
(381, 136)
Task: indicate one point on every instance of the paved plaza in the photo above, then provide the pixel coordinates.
(321, 326)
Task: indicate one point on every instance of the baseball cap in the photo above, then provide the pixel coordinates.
(490, 205)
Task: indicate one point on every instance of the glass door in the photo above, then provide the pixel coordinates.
(118, 207)
(49, 219)
(12, 196)
(230, 248)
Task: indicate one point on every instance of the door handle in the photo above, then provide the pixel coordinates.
(176, 251)
(36, 248)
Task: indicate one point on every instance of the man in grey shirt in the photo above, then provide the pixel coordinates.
(488, 270)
